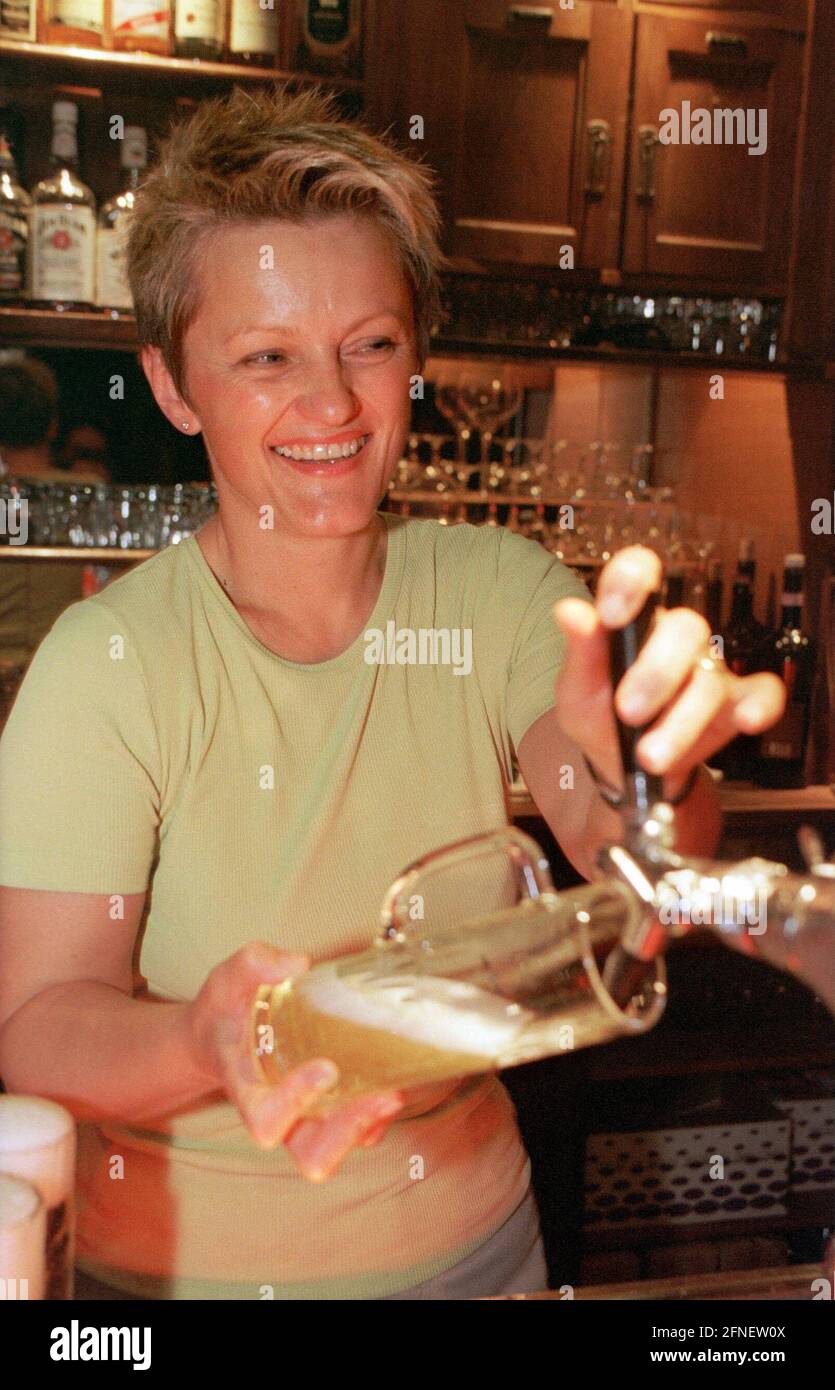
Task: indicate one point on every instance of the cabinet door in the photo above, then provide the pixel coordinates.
(712, 212)
(540, 115)
(522, 106)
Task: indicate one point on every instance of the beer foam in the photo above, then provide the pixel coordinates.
(448, 1014)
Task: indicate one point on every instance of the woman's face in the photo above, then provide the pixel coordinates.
(315, 351)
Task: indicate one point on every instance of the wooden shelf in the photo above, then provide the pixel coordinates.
(479, 497)
(779, 1282)
(108, 330)
(88, 554)
(736, 799)
(651, 357)
(52, 328)
(196, 69)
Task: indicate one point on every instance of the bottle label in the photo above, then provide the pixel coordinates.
(785, 740)
(14, 234)
(141, 17)
(63, 253)
(79, 14)
(198, 19)
(328, 21)
(112, 286)
(253, 28)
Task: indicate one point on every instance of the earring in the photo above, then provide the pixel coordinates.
(185, 424)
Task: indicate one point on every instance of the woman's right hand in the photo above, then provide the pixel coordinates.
(218, 1032)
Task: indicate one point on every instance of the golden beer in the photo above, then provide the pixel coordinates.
(383, 1031)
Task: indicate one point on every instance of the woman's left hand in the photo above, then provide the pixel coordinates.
(695, 710)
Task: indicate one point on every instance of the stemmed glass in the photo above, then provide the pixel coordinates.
(487, 405)
(447, 401)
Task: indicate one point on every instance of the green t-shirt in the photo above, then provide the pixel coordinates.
(156, 743)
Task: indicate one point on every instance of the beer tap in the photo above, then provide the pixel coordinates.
(755, 905)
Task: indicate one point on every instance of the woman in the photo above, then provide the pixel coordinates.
(204, 777)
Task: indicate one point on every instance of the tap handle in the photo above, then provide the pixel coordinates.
(642, 788)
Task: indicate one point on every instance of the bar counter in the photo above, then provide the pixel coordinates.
(792, 1282)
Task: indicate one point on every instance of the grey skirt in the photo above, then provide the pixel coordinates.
(511, 1261)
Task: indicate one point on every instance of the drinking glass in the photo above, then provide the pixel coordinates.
(37, 1143)
(474, 986)
(22, 1240)
(447, 401)
(487, 405)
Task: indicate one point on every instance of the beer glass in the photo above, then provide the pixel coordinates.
(22, 1240)
(466, 993)
(37, 1143)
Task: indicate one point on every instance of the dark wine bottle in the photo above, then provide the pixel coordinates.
(742, 648)
(792, 658)
(714, 591)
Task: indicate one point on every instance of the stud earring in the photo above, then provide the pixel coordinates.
(185, 424)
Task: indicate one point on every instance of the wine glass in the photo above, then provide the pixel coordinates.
(487, 405)
(446, 399)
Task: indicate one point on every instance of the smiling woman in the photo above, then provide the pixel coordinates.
(205, 786)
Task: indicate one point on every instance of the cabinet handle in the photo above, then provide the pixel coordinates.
(598, 147)
(647, 145)
(733, 44)
(541, 12)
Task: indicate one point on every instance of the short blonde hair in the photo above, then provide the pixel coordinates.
(255, 155)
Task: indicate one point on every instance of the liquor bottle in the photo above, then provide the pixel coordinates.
(199, 27)
(783, 747)
(714, 590)
(112, 287)
(134, 26)
(72, 22)
(329, 36)
(746, 565)
(674, 586)
(252, 32)
(15, 211)
(62, 244)
(742, 641)
(771, 605)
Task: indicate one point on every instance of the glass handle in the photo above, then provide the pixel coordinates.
(527, 857)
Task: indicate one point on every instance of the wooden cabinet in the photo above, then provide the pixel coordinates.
(542, 123)
(785, 11)
(524, 110)
(712, 150)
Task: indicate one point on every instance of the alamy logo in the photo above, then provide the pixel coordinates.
(77, 1343)
(14, 519)
(730, 911)
(423, 646)
(695, 125)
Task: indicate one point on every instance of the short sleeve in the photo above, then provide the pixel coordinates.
(536, 581)
(79, 763)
